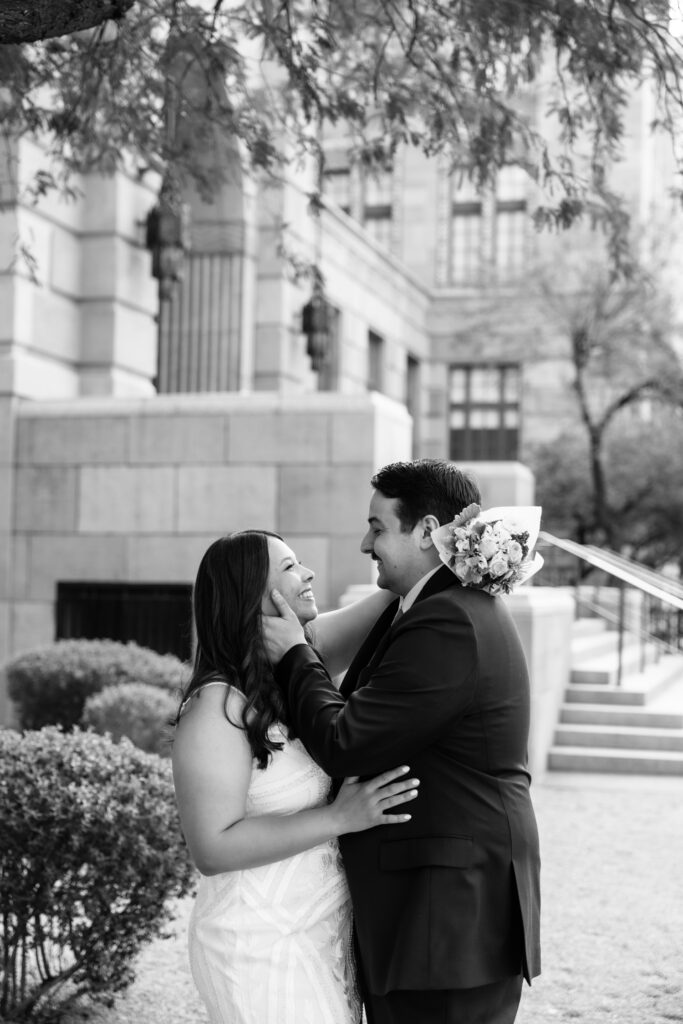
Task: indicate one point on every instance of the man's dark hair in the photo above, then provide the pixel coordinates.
(426, 487)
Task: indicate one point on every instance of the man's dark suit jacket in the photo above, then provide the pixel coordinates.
(450, 899)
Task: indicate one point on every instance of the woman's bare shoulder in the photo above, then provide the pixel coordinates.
(215, 698)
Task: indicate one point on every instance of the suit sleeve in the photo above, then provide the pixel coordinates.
(426, 678)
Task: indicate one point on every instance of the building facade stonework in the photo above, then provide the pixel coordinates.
(134, 431)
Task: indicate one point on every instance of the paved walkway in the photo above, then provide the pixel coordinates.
(612, 850)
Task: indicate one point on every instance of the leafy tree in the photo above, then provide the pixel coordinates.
(643, 468)
(619, 480)
(167, 79)
(618, 335)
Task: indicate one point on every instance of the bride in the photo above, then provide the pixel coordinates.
(270, 935)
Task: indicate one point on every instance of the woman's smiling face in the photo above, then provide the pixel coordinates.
(292, 579)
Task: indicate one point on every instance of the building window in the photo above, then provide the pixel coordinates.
(375, 362)
(366, 194)
(510, 224)
(153, 615)
(484, 412)
(378, 222)
(487, 229)
(377, 206)
(337, 186)
(467, 232)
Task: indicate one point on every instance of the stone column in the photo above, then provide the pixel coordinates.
(118, 352)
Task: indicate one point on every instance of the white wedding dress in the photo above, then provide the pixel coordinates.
(272, 945)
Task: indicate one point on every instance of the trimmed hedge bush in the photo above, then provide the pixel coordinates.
(50, 685)
(139, 711)
(91, 855)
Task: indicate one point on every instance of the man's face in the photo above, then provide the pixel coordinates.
(400, 557)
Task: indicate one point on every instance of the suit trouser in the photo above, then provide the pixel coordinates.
(496, 1003)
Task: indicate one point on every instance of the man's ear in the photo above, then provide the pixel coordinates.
(427, 524)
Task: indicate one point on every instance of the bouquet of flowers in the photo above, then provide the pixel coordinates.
(491, 550)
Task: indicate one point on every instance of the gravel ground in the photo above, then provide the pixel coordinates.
(612, 851)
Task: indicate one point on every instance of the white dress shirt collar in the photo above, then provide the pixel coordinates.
(409, 600)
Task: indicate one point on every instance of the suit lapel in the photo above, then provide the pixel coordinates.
(377, 640)
(370, 650)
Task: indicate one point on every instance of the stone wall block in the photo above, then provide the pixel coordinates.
(66, 263)
(32, 625)
(347, 561)
(19, 581)
(118, 335)
(270, 342)
(121, 499)
(74, 557)
(44, 321)
(72, 440)
(220, 500)
(277, 438)
(6, 509)
(393, 440)
(323, 499)
(116, 203)
(99, 381)
(5, 566)
(9, 233)
(166, 559)
(45, 499)
(177, 439)
(27, 374)
(113, 267)
(351, 437)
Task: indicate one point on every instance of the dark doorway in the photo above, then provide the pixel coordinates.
(153, 615)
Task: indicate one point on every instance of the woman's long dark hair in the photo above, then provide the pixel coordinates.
(226, 603)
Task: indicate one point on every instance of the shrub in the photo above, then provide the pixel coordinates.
(136, 710)
(50, 685)
(91, 854)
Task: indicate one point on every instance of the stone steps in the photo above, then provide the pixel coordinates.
(635, 762)
(635, 727)
(595, 660)
(631, 717)
(631, 737)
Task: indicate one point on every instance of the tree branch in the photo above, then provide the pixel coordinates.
(22, 22)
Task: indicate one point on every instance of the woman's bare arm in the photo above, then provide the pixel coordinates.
(338, 634)
(212, 766)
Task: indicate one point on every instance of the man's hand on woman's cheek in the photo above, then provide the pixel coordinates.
(282, 631)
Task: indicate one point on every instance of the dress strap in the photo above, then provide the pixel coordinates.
(211, 682)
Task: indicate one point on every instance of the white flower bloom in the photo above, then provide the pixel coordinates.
(488, 545)
(498, 565)
(515, 552)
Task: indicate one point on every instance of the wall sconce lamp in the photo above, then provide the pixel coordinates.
(315, 324)
(167, 238)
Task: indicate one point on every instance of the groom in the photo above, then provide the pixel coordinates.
(446, 906)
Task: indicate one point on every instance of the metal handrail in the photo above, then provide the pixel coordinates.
(642, 571)
(610, 563)
(628, 573)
